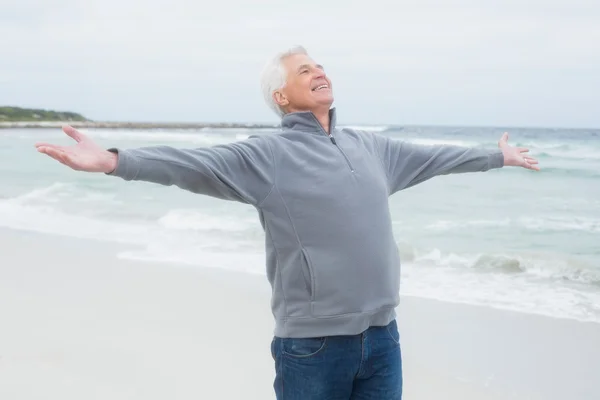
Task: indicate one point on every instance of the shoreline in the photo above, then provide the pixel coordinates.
(130, 125)
(241, 125)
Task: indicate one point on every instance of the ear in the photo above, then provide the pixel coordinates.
(280, 98)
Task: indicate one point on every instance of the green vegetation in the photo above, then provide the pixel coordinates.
(17, 114)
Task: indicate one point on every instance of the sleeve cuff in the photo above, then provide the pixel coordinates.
(128, 165)
(496, 160)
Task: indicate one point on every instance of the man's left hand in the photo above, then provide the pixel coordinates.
(516, 156)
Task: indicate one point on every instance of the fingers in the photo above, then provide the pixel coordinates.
(55, 153)
(530, 160)
(73, 133)
(62, 156)
(50, 145)
(530, 163)
(52, 151)
(503, 142)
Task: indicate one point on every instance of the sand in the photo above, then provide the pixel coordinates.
(78, 323)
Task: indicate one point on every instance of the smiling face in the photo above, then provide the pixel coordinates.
(307, 87)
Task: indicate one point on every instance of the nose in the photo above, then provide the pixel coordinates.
(319, 73)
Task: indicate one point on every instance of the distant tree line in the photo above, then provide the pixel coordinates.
(12, 114)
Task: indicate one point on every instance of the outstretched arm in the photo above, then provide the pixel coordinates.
(409, 164)
(240, 171)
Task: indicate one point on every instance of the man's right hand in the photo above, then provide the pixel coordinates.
(83, 156)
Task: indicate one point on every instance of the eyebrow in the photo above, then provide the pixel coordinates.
(303, 66)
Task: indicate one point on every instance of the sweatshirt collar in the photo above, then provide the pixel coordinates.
(306, 121)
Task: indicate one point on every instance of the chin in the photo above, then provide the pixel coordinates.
(328, 101)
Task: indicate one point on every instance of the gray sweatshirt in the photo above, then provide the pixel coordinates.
(331, 257)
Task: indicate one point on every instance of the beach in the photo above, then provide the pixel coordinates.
(77, 322)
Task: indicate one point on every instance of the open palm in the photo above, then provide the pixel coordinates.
(516, 156)
(85, 155)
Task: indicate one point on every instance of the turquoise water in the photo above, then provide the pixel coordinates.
(511, 238)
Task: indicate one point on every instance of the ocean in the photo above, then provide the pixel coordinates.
(511, 238)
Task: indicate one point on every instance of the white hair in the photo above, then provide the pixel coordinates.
(274, 77)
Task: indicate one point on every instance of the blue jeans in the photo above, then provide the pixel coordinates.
(366, 366)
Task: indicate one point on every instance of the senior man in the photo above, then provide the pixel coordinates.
(322, 198)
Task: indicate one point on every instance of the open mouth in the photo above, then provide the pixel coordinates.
(320, 87)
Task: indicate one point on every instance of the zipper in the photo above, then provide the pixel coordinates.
(341, 151)
(334, 142)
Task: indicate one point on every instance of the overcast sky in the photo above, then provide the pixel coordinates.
(456, 62)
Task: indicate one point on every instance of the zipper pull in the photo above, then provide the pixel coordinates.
(332, 140)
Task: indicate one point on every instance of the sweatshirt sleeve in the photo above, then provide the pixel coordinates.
(242, 171)
(408, 164)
